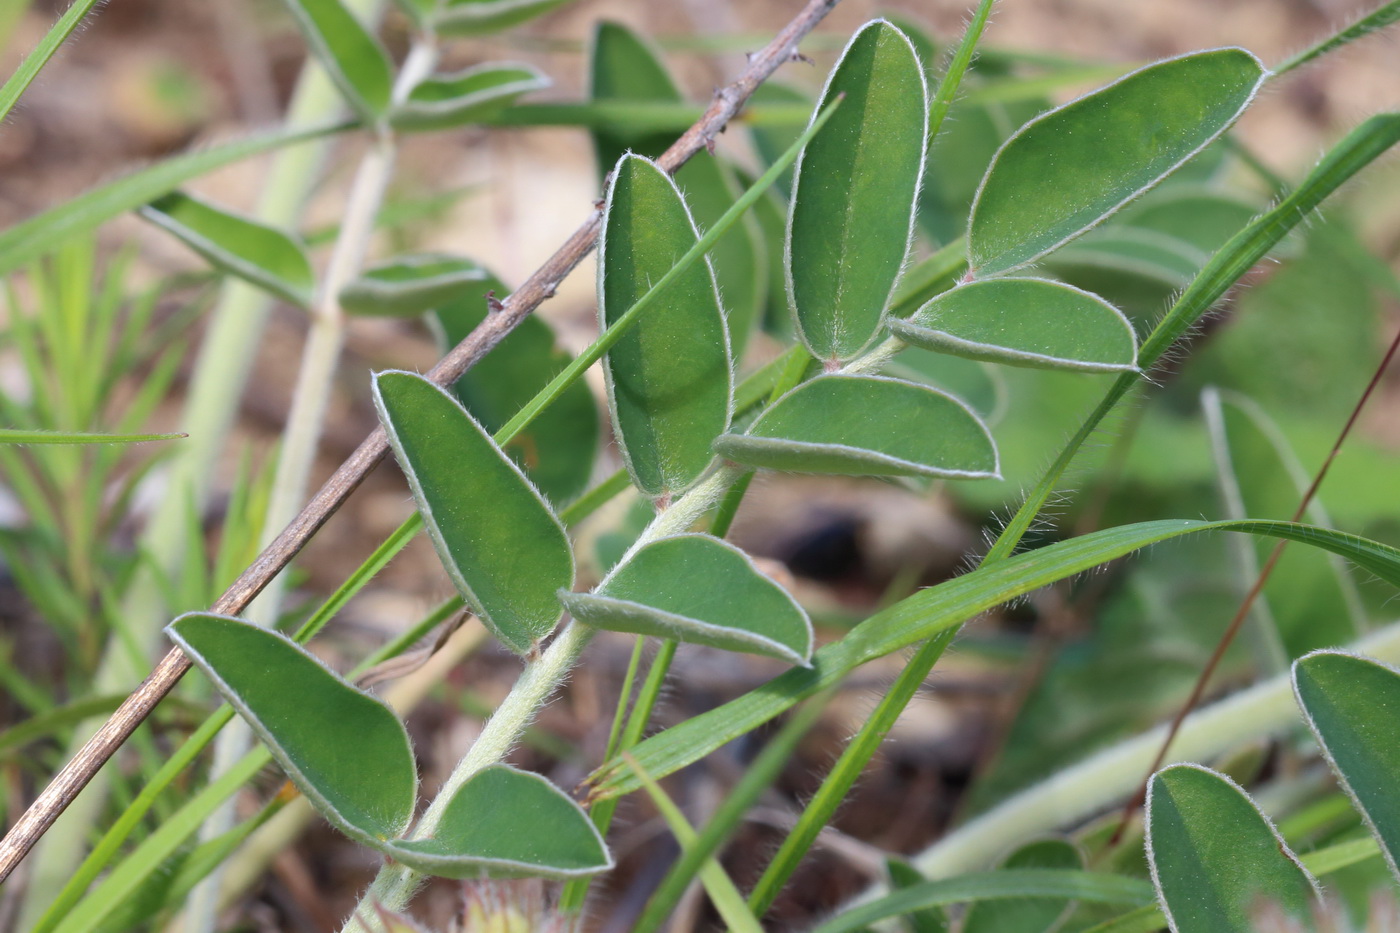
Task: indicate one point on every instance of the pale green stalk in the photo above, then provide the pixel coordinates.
(301, 435)
(220, 373)
(1082, 790)
(394, 884)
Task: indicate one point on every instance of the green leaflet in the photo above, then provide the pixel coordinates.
(697, 588)
(854, 191)
(473, 95)
(1024, 322)
(938, 609)
(1215, 857)
(1071, 167)
(866, 426)
(557, 449)
(506, 823)
(352, 56)
(474, 17)
(44, 232)
(496, 536)
(407, 286)
(669, 377)
(983, 886)
(623, 67)
(1350, 705)
(342, 748)
(1031, 914)
(251, 250)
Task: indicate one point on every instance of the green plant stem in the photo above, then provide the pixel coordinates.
(35, 61)
(1383, 16)
(395, 884)
(220, 373)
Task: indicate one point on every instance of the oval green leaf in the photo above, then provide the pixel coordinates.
(497, 537)
(1029, 914)
(852, 215)
(342, 748)
(557, 449)
(1071, 167)
(505, 823)
(251, 250)
(669, 378)
(474, 95)
(625, 68)
(1350, 703)
(696, 588)
(866, 426)
(475, 17)
(406, 286)
(352, 56)
(1024, 322)
(1215, 858)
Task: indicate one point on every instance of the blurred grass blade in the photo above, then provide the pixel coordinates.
(342, 748)
(17, 436)
(854, 192)
(1024, 322)
(723, 894)
(506, 823)
(1009, 883)
(1216, 859)
(1068, 169)
(35, 61)
(866, 426)
(939, 609)
(475, 17)
(1031, 914)
(350, 53)
(247, 248)
(696, 588)
(407, 286)
(670, 377)
(1350, 704)
(44, 232)
(473, 95)
(499, 540)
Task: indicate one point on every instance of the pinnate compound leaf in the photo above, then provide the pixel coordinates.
(866, 426)
(342, 748)
(497, 537)
(669, 378)
(351, 54)
(251, 250)
(505, 823)
(697, 588)
(1030, 914)
(557, 449)
(1350, 704)
(854, 193)
(471, 96)
(937, 610)
(1069, 168)
(475, 17)
(1216, 858)
(1024, 322)
(407, 286)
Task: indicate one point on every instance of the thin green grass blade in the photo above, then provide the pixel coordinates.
(1381, 17)
(942, 608)
(16, 436)
(35, 61)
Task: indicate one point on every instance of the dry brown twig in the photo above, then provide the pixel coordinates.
(539, 287)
